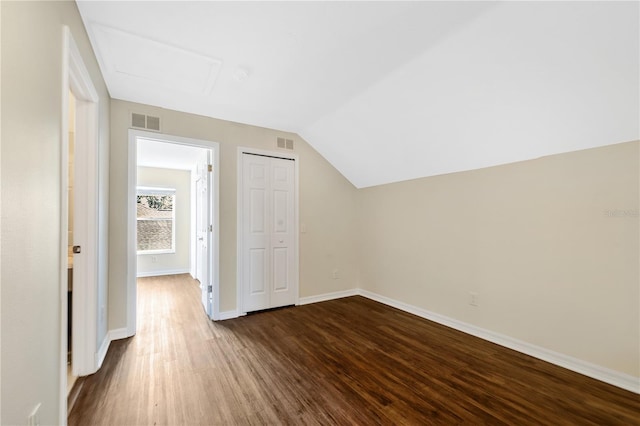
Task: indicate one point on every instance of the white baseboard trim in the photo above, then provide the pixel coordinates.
(102, 352)
(228, 315)
(615, 378)
(163, 272)
(328, 296)
(118, 333)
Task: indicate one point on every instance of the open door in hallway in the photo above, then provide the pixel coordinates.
(204, 230)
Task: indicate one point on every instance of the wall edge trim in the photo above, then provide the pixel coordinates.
(102, 351)
(328, 296)
(118, 333)
(228, 315)
(603, 374)
(163, 272)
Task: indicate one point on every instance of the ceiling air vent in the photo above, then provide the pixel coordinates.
(285, 143)
(147, 122)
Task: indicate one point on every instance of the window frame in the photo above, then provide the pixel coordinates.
(151, 190)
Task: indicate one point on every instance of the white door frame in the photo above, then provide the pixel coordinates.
(239, 222)
(132, 178)
(76, 79)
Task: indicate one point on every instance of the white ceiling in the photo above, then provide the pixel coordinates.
(387, 91)
(167, 155)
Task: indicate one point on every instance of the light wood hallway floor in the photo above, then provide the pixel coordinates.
(347, 361)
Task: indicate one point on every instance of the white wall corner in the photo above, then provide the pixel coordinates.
(612, 377)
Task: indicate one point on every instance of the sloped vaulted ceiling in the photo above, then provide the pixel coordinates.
(387, 91)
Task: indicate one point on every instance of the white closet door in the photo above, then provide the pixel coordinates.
(282, 193)
(256, 271)
(268, 232)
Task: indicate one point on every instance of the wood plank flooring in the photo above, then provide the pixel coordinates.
(347, 361)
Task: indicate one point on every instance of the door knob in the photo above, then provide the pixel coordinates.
(77, 249)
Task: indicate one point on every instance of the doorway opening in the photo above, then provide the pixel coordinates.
(173, 214)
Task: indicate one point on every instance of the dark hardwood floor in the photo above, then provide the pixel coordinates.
(347, 361)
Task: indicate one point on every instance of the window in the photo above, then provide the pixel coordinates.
(155, 220)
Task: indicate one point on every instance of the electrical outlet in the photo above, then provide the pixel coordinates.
(336, 274)
(34, 417)
(473, 299)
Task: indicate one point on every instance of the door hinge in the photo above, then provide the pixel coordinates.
(210, 288)
(210, 228)
(210, 167)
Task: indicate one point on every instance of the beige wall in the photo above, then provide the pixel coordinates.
(31, 151)
(533, 239)
(327, 205)
(180, 180)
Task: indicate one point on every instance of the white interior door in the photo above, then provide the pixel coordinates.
(268, 240)
(199, 226)
(84, 310)
(89, 299)
(283, 277)
(256, 236)
(204, 230)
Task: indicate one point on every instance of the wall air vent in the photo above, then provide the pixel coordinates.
(285, 143)
(146, 122)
